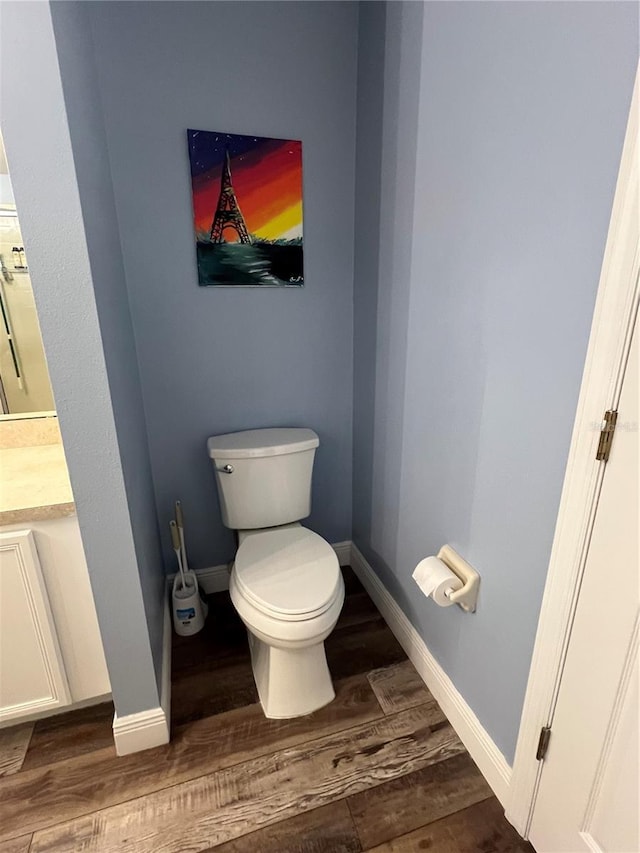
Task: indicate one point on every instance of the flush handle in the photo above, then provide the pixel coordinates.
(228, 469)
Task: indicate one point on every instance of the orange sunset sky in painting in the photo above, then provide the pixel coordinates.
(267, 179)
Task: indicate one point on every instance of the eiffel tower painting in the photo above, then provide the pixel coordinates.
(228, 214)
(247, 209)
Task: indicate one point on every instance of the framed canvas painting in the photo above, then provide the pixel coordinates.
(247, 209)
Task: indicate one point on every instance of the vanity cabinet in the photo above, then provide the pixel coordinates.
(32, 672)
(51, 653)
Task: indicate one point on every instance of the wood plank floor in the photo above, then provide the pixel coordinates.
(379, 769)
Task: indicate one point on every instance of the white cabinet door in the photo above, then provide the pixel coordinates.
(32, 675)
(589, 789)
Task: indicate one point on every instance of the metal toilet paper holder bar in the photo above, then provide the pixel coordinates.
(467, 597)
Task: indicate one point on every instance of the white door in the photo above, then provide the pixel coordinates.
(589, 793)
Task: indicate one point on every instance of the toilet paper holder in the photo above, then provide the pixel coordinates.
(467, 597)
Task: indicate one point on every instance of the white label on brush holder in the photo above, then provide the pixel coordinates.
(187, 613)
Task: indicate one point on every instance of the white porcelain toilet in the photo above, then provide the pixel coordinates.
(286, 582)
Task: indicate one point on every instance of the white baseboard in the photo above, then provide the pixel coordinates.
(212, 579)
(135, 732)
(491, 762)
(216, 578)
(343, 552)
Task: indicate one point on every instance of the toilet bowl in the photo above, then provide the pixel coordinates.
(285, 582)
(287, 588)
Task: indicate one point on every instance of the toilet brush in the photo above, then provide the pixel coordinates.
(180, 526)
(183, 555)
(187, 606)
(177, 549)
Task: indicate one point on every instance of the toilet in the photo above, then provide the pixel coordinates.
(285, 583)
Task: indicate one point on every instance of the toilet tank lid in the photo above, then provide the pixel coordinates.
(261, 442)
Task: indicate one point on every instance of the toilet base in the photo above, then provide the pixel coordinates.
(290, 682)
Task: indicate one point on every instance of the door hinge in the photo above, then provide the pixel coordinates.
(606, 436)
(543, 743)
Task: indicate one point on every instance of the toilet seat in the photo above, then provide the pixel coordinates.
(288, 573)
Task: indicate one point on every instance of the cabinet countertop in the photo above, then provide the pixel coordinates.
(34, 484)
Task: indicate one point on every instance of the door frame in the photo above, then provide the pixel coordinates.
(609, 343)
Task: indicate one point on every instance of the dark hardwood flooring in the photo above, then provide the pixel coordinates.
(379, 770)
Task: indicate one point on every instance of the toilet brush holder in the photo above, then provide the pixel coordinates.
(187, 605)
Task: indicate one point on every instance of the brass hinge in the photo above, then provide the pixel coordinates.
(543, 743)
(606, 436)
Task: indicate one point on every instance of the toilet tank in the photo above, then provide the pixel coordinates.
(263, 476)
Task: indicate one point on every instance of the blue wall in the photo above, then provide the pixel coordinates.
(471, 324)
(488, 142)
(214, 361)
(65, 198)
(86, 126)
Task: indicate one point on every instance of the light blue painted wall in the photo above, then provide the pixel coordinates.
(488, 143)
(93, 171)
(214, 361)
(475, 358)
(60, 174)
(388, 97)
